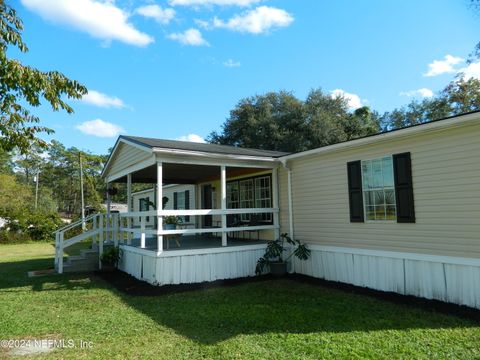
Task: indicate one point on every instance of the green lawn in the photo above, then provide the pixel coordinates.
(262, 320)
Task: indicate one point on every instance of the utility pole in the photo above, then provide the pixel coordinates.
(84, 225)
(36, 189)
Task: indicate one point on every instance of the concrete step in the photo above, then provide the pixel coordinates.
(74, 268)
(86, 261)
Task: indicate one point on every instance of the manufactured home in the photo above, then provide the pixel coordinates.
(397, 211)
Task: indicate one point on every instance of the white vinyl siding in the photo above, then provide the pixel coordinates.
(127, 155)
(446, 187)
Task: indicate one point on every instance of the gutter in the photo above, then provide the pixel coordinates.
(290, 201)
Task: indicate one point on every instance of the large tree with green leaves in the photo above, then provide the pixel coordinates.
(21, 84)
(280, 121)
(458, 97)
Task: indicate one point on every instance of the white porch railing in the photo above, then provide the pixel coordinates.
(96, 227)
(157, 230)
(120, 227)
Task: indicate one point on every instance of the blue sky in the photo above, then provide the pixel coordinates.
(175, 68)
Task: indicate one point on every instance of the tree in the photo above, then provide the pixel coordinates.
(458, 97)
(21, 84)
(270, 122)
(280, 121)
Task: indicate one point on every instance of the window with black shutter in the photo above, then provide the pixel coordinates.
(187, 204)
(381, 189)
(402, 168)
(354, 170)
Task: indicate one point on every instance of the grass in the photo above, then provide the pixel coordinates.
(262, 320)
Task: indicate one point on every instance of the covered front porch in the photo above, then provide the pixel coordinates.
(235, 209)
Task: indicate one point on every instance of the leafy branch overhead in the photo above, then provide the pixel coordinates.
(20, 83)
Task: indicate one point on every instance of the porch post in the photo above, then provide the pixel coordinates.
(276, 222)
(159, 201)
(129, 207)
(109, 218)
(223, 190)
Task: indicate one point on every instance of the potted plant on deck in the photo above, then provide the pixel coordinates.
(110, 258)
(273, 257)
(171, 222)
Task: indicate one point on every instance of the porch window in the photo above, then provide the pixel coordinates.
(144, 204)
(247, 197)
(248, 193)
(263, 196)
(379, 189)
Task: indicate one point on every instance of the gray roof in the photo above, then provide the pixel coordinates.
(209, 148)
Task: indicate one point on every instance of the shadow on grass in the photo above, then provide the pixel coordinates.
(282, 307)
(14, 277)
(263, 306)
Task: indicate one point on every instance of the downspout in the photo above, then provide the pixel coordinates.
(290, 201)
(290, 204)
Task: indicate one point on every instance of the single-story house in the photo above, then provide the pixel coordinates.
(398, 211)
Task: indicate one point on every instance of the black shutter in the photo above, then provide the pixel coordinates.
(355, 195)
(175, 201)
(187, 204)
(402, 170)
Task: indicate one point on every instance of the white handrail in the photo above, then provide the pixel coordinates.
(97, 230)
(198, 212)
(76, 223)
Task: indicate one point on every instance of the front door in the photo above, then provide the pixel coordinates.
(207, 204)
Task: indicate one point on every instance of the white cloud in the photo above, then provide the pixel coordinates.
(191, 37)
(256, 21)
(423, 92)
(100, 128)
(162, 16)
(101, 19)
(192, 138)
(471, 71)
(231, 63)
(102, 100)
(241, 3)
(446, 66)
(353, 100)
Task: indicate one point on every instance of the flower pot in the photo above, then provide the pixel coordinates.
(108, 267)
(169, 226)
(278, 268)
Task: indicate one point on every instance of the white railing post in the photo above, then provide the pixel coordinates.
(159, 201)
(56, 249)
(60, 252)
(276, 216)
(94, 227)
(115, 229)
(223, 190)
(129, 207)
(142, 232)
(100, 240)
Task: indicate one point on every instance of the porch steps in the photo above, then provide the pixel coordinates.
(86, 261)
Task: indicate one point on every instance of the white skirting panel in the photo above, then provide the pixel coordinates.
(185, 267)
(450, 279)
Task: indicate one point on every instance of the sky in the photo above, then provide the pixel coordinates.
(174, 69)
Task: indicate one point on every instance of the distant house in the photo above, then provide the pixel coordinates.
(397, 211)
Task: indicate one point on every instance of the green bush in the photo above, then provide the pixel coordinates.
(36, 226)
(41, 226)
(13, 237)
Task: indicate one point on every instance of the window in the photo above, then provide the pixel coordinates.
(181, 201)
(247, 197)
(263, 198)
(233, 198)
(144, 205)
(379, 189)
(251, 193)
